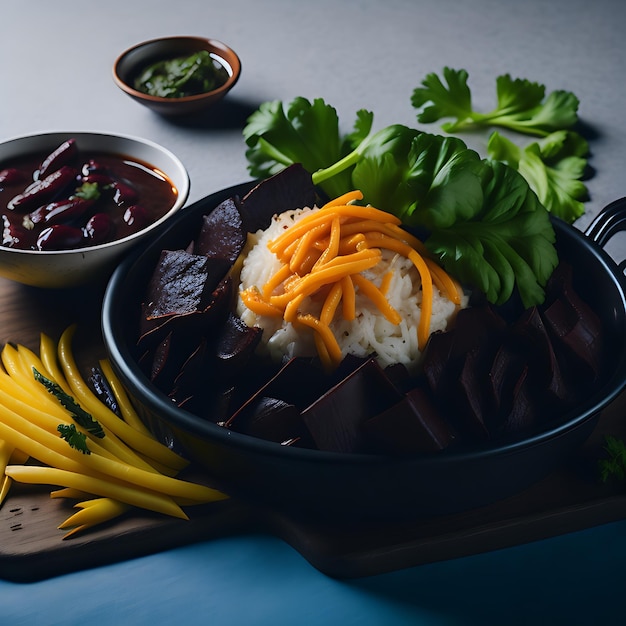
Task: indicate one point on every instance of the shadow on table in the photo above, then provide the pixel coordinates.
(229, 113)
(571, 579)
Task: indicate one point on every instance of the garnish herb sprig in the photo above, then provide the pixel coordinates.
(75, 438)
(554, 165)
(80, 416)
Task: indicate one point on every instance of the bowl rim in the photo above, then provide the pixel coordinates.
(155, 400)
(214, 45)
(181, 199)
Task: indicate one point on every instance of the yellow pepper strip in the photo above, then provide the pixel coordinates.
(123, 401)
(53, 451)
(5, 487)
(135, 439)
(23, 383)
(39, 475)
(67, 492)
(5, 482)
(93, 512)
(49, 419)
(48, 355)
(37, 396)
(30, 360)
(18, 457)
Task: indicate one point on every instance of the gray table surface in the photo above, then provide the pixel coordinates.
(56, 75)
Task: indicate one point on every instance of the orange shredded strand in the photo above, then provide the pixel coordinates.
(348, 301)
(323, 256)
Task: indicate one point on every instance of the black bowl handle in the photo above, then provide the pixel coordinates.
(609, 221)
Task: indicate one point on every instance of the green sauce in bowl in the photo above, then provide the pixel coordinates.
(183, 76)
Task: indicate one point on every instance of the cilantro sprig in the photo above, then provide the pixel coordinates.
(75, 438)
(80, 416)
(522, 105)
(614, 465)
(554, 165)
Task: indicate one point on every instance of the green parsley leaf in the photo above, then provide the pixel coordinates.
(303, 132)
(553, 167)
(75, 438)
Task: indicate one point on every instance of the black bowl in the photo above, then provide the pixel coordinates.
(360, 486)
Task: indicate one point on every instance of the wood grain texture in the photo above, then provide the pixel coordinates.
(32, 548)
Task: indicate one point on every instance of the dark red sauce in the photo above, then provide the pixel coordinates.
(72, 198)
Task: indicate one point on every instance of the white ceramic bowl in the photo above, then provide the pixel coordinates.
(69, 268)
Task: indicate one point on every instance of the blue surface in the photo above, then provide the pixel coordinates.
(57, 59)
(578, 578)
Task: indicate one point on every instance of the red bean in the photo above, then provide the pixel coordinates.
(43, 190)
(97, 177)
(60, 211)
(59, 237)
(123, 193)
(62, 155)
(14, 235)
(92, 167)
(12, 176)
(98, 228)
(136, 217)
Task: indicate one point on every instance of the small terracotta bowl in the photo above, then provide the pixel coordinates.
(131, 62)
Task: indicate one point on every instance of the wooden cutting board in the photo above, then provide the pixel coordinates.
(32, 548)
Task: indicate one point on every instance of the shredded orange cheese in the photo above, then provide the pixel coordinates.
(324, 254)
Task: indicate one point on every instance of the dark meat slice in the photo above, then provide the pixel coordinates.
(507, 368)
(544, 369)
(336, 419)
(181, 283)
(190, 374)
(195, 322)
(275, 420)
(470, 398)
(298, 383)
(290, 189)
(234, 347)
(222, 234)
(523, 410)
(413, 425)
(437, 364)
(576, 327)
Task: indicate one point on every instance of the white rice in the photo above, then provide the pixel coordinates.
(370, 332)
